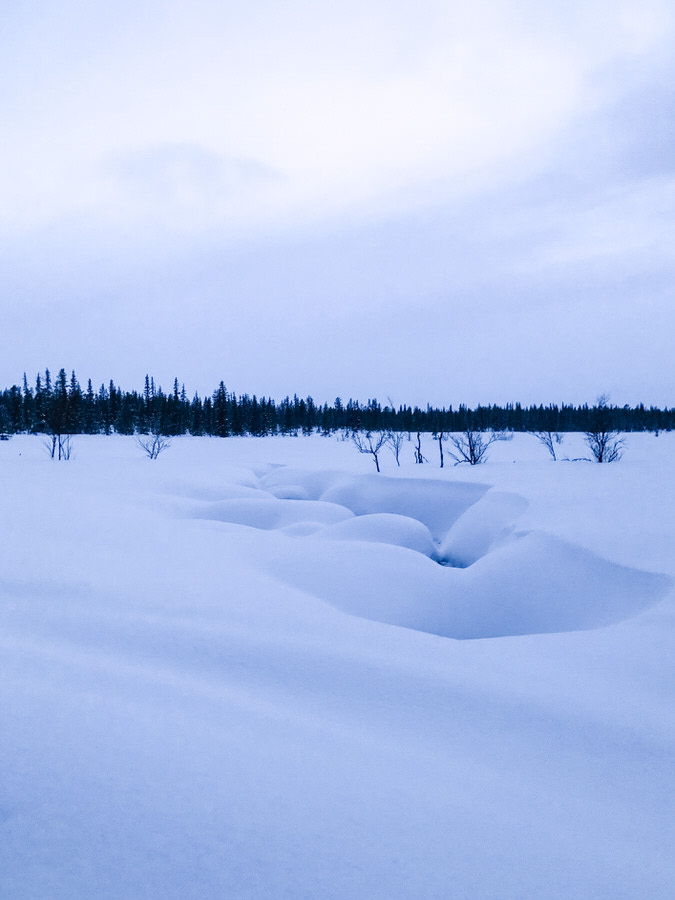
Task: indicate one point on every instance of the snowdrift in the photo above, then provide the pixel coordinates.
(378, 541)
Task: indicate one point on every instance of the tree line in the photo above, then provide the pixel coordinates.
(61, 406)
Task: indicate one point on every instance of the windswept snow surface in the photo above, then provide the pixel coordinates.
(253, 668)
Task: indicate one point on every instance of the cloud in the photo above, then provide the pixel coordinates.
(361, 107)
(184, 184)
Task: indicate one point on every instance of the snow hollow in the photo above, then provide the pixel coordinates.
(255, 668)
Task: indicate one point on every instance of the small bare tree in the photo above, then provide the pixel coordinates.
(65, 446)
(153, 444)
(440, 436)
(605, 443)
(606, 446)
(471, 446)
(550, 439)
(50, 445)
(370, 443)
(60, 444)
(419, 457)
(394, 441)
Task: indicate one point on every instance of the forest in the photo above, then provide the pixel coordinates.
(60, 406)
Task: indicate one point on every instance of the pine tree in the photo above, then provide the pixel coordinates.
(29, 413)
(90, 424)
(74, 409)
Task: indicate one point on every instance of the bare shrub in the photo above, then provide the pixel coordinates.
(472, 446)
(153, 444)
(371, 443)
(394, 441)
(606, 444)
(65, 446)
(59, 446)
(50, 445)
(550, 439)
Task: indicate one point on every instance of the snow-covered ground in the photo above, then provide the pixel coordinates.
(253, 668)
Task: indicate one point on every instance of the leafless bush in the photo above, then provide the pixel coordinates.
(50, 445)
(606, 446)
(605, 443)
(471, 446)
(65, 446)
(371, 443)
(550, 439)
(59, 446)
(394, 441)
(153, 444)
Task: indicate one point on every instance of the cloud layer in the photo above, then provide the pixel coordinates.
(496, 169)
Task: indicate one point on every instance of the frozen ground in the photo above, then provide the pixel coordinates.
(255, 669)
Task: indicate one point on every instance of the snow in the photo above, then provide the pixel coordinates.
(254, 668)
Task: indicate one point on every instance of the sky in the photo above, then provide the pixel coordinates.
(437, 202)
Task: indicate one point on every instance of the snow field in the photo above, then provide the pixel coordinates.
(204, 694)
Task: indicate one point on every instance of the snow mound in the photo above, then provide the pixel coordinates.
(538, 583)
(300, 484)
(376, 542)
(486, 523)
(384, 528)
(270, 513)
(437, 504)
(403, 512)
(301, 529)
(534, 584)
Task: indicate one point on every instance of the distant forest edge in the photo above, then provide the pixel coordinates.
(62, 406)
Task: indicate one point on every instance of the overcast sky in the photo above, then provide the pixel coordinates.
(437, 202)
